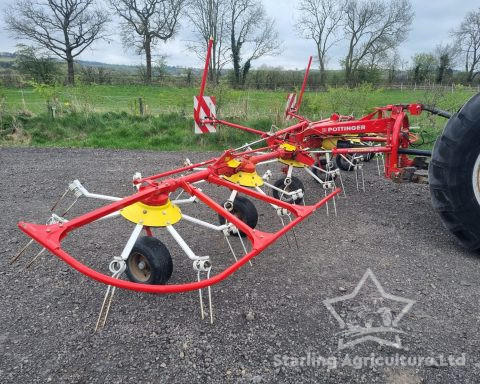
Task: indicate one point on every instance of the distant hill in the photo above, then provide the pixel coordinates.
(7, 59)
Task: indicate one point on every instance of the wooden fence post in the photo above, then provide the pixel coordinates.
(141, 106)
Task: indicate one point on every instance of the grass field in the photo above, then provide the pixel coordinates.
(108, 116)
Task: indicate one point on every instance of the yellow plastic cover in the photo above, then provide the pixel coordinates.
(152, 215)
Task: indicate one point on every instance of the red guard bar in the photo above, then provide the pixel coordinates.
(304, 85)
(205, 69)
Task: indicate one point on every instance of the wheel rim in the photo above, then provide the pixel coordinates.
(140, 267)
(238, 215)
(476, 179)
(284, 197)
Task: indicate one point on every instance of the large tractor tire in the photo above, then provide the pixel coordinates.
(454, 174)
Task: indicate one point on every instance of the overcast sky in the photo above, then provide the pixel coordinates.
(434, 19)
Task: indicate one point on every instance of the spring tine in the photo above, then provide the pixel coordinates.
(70, 207)
(295, 238)
(294, 234)
(326, 203)
(59, 200)
(230, 246)
(343, 187)
(378, 165)
(210, 303)
(35, 258)
(20, 253)
(101, 310)
(210, 298)
(244, 248)
(363, 179)
(286, 236)
(201, 298)
(107, 301)
(109, 304)
(356, 178)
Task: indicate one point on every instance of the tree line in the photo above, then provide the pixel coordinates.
(370, 30)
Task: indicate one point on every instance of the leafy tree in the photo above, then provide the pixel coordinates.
(41, 68)
(424, 66)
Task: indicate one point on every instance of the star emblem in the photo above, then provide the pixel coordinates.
(369, 314)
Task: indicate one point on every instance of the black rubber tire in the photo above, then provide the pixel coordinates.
(294, 185)
(343, 164)
(451, 174)
(322, 163)
(156, 257)
(245, 210)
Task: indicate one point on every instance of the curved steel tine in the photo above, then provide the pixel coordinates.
(59, 200)
(35, 258)
(20, 253)
(70, 207)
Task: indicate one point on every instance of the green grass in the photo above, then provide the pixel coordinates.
(118, 130)
(107, 116)
(117, 98)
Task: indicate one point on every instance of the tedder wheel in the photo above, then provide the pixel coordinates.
(454, 174)
(343, 164)
(295, 185)
(149, 262)
(245, 210)
(322, 163)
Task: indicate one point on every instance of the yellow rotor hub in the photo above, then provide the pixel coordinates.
(331, 142)
(152, 215)
(245, 179)
(234, 163)
(293, 163)
(290, 148)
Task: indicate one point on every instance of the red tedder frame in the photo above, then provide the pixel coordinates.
(157, 188)
(388, 127)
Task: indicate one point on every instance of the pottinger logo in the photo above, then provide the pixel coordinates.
(345, 128)
(369, 314)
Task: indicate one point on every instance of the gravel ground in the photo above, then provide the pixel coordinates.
(267, 316)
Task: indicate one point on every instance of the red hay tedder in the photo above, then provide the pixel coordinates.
(319, 148)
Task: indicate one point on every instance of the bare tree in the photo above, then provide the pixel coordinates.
(146, 22)
(64, 27)
(252, 34)
(208, 18)
(392, 64)
(467, 37)
(373, 28)
(320, 20)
